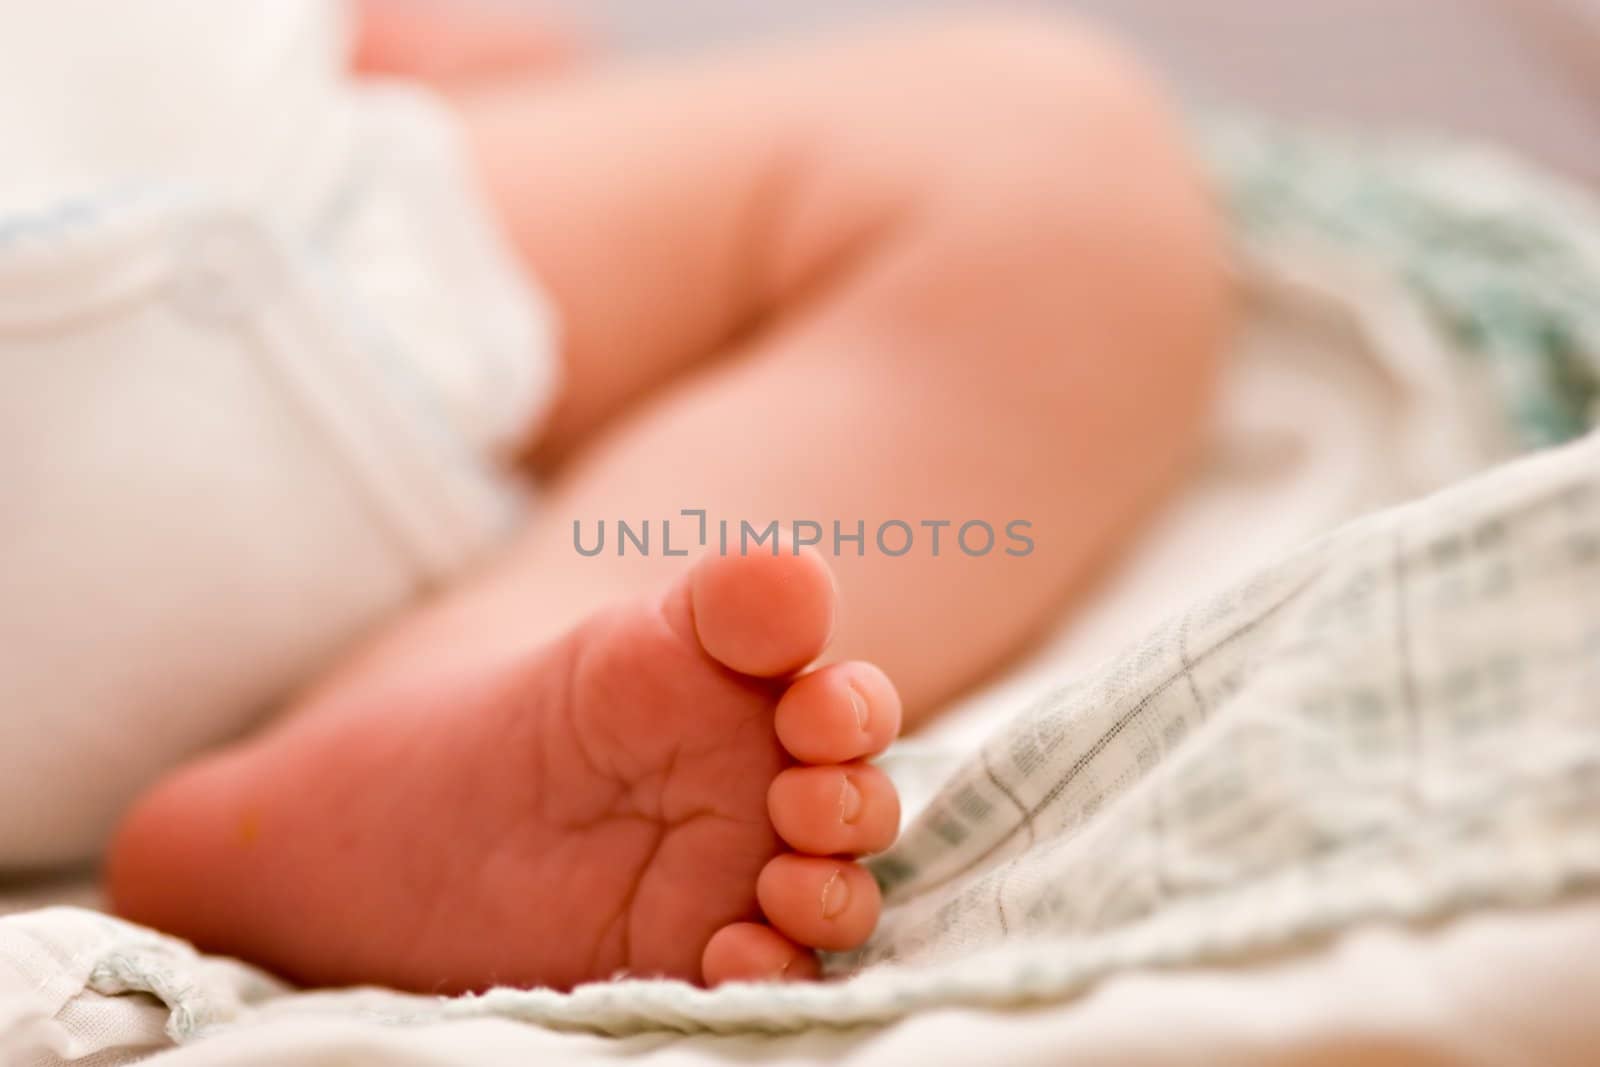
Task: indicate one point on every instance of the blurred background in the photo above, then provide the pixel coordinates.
(1524, 73)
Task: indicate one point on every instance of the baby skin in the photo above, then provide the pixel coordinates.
(654, 793)
(963, 271)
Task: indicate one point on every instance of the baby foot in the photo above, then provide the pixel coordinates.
(655, 793)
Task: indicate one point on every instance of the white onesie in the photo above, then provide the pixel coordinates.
(259, 349)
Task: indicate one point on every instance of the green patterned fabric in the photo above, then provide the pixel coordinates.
(1506, 260)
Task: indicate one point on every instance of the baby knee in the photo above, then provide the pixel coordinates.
(1076, 169)
(1063, 213)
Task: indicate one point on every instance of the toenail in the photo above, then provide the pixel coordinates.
(849, 800)
(835, 895)
(858, 704)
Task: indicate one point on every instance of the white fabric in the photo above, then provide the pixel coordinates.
(1494, 989)
(1497, 987)
(259, 346)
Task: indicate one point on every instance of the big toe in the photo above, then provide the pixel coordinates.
(767, 613)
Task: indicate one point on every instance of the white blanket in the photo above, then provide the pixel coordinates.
(1271, 773)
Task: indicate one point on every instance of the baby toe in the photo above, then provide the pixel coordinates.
(841, 712)
(761, 614)
(853, 809)
(825, 903)
(751, 952)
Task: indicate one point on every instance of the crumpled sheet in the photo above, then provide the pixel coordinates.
(1323, 768)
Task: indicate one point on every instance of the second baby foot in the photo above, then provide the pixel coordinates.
(655, 793)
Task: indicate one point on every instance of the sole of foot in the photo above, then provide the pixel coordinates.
(664, 791)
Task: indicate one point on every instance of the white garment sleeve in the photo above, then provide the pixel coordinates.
(259, 348)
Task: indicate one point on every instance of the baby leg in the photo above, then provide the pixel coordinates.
(962, 274)
(966, 275)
